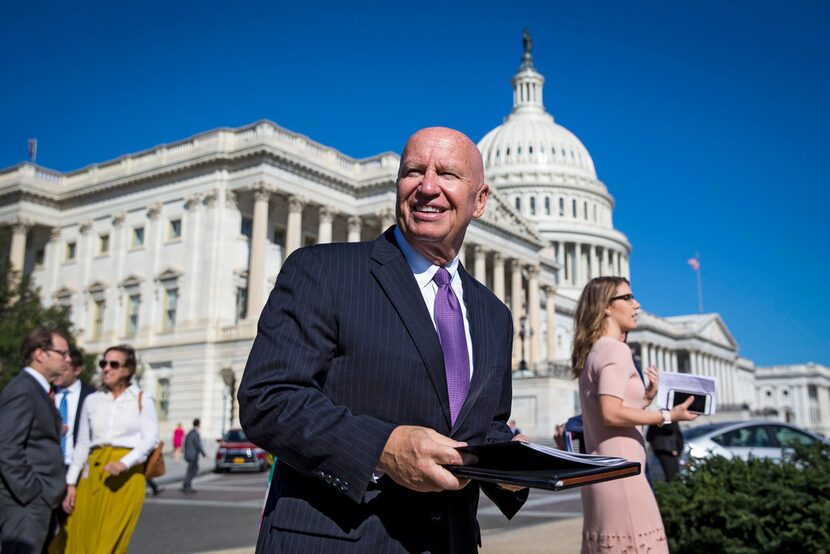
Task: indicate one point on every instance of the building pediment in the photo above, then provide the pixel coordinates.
(709, 327)
(64, 292)
(169, 274)
(97, 287)
(132, 281)
(501, 215)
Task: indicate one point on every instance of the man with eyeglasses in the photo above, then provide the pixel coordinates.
(32, 473)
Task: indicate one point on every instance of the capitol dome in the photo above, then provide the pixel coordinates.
(547, 175)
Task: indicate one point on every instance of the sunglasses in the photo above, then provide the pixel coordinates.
(627, 297)
(114, 364)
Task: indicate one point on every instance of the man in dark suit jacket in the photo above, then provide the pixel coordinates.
(347, 384)
(76, 393)
(31, 465)
(192, 450)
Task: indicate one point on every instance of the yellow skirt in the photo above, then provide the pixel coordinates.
(106, 507)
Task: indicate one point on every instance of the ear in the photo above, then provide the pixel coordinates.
(481, 200)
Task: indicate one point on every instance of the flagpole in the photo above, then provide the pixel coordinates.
(699, 286)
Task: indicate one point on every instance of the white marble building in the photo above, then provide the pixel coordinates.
(175, 248)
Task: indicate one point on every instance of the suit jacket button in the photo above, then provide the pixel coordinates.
(436, 516)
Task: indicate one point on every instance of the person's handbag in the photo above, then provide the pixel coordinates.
(154, 466)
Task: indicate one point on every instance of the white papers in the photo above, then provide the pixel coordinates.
(685, 382)
(589, 459)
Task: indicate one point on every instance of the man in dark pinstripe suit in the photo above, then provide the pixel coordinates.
(346, 380)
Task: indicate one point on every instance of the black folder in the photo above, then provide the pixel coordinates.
(534, 465)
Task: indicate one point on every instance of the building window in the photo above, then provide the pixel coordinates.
(278, 237)
(532, 205)
(561, 207)
(103, 244)
(585, 210)
(65, 302)
(573, 207)
(595, 213)
(547, 205)
(97, 319)
(241, 303)
(519, 150)
(246, 227)
(174, 230)
(163, 395)
(171, 301)
(138, 237)
(40, 255)
(519, 204)
(70, 251)
(133, 306)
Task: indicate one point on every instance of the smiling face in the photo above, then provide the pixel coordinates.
(440, 190)
(115, 378)
(621, 312)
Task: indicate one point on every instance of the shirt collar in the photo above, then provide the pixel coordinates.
(38, 377)
(422, 268)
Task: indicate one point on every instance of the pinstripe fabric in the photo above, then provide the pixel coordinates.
(345, 352)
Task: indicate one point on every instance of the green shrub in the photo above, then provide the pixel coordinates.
(747, 506)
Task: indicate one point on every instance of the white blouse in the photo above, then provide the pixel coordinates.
(108, 421)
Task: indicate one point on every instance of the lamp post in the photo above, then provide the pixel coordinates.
(522, 334)
(229, 379)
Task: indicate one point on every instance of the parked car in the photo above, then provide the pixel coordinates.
(237, 452)
(742, 439)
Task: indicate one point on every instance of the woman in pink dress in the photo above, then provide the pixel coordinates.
(178, 439)
(619, 516)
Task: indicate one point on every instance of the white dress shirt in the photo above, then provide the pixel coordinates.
(424, 271)
(73, 396)
(108, 421)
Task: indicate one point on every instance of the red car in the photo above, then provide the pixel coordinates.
(237, 452)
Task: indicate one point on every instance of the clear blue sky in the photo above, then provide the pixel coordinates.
(707, 120)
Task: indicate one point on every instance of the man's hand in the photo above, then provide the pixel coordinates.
(69, 500)
(115, 468)
(413, 457)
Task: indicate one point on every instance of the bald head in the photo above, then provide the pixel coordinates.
(440, 190)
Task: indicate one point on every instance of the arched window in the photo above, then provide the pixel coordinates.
(561, 207)
(518, 203)
(573, 207)
(547, 205)
(532, 205)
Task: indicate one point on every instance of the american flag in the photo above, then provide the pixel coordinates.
(694, 263)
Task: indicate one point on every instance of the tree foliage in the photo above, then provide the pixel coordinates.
(750, 506)
(21, 311)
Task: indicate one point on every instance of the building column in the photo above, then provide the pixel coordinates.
(576, 268)
(498, 275)
(294, 233)
(256, 262)
(674, 366)
(516, 301)
(326, 216)
(480, 264)
(387, 218)
(355, 224)
(462, 257)
(52, 259)
(594, 257)
(550, 323)
(17, 252)
(533, 309)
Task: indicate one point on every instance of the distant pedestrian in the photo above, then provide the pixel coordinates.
(667, 444)
(192, 450)
(178, 441)
(513, 427)
(118, 430)
(31, 464)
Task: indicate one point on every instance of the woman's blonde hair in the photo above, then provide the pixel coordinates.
(589, 318)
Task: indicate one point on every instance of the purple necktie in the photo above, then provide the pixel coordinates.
(450, 322)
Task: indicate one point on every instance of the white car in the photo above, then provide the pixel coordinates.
(742, 439)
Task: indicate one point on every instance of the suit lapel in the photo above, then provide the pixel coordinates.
(475, 315)
(395, 278)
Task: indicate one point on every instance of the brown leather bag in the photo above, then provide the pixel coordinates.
(154, 466)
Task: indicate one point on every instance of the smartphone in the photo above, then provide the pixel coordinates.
(700, 405)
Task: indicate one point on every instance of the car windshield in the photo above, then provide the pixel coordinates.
(236, 436)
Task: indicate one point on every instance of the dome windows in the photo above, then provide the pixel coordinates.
(532, 205)
(547, 205)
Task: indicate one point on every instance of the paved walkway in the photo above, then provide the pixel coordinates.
(555, 537)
